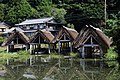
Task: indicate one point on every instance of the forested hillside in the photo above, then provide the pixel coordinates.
(73, 13)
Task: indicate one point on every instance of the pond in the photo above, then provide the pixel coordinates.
(46, 68)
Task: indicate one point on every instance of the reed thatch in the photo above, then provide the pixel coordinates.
(21, 35)
(46, 35)
(96, 33)
(70, 33)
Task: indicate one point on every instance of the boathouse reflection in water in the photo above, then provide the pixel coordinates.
(46, 68)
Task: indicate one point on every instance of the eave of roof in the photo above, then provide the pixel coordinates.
(36, 21)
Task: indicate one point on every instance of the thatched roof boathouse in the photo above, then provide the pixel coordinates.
(64, 38)
(92, 42)
(40, 37)
(16, 39)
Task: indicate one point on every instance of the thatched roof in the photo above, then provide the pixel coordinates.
(46, 35)
(70, 33)
(21, 35)
(96, 33)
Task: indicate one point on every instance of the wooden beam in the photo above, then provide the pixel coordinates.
(90, 45)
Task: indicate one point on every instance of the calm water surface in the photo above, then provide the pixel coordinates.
(45, 68)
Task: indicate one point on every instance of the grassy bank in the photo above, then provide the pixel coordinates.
(13, 55)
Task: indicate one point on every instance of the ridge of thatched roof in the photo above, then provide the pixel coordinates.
(14, 34)
(46, 35)
(71, 34)
(95, 33)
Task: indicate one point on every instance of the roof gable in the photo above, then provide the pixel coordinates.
(71, 34)
(45, 35)
(96, 33)
(20, 35)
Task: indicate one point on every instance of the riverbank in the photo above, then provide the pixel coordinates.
(23, 55)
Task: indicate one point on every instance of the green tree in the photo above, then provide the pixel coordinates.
(111, 54)
(59, 15)
(18, 10)
(1, 12)
(82, 13)
(44, 8)
(113, 30)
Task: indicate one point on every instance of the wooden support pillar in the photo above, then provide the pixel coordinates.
(26, 47)
(59, 47)
(35, 46)
(30, 60)
(70, 46)
(83, 52)
(101, 53)
(31, 48)
(49, 48)
(38, 46)
(22, 46)
(67, 44)
(8, 48)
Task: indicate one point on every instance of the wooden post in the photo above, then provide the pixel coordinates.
(30, 60)
(83, 52)
(8, 47)
(49, 48)
(101, 52)
(70, 46)
(26, 47)
(22, 46)
(59, 47)
(30, 48)
(17, 40)
(67, 44)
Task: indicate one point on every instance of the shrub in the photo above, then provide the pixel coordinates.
(111, 54)
(1, 39)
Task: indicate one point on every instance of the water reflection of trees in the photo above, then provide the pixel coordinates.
(65, 69)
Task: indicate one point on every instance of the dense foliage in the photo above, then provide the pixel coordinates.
(75, 13)
(111, 54)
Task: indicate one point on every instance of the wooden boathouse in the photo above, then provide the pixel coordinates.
(40, 42)
(92, 42)
(89, 42)
(64, 39)
(16, 40)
